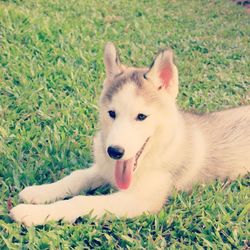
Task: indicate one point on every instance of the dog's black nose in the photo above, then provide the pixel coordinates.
(115, 152)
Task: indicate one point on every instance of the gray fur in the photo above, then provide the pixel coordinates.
(116, 84)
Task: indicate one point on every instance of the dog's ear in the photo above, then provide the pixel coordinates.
(111, 61)
(164, 74)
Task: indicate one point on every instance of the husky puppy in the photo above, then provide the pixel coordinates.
(146, 147)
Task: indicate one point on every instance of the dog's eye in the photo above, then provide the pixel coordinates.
(112, 114)
(141, 117)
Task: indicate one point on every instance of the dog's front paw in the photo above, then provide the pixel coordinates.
(38, 194)
(29, 215)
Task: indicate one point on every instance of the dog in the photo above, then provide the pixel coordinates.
(146, 147)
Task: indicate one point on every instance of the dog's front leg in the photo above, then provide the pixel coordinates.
(120, 204)
(68, 186)
(145, 196)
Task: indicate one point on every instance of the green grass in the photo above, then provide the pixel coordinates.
(50, 79)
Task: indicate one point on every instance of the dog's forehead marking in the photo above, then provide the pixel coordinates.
(132, 100)
(136, 81)
(134, 77)
(127, 99)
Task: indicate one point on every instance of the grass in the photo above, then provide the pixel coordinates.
(50, 79)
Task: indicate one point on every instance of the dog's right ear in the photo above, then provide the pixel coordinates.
(111, 61)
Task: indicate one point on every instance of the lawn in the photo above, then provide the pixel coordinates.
(51, 73)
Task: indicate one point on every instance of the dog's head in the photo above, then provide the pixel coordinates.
(135, 102)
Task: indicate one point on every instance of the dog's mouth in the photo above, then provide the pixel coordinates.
(124, 169)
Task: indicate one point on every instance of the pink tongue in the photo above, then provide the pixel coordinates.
(123, 173)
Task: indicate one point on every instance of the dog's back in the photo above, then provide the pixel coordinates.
(227, 142)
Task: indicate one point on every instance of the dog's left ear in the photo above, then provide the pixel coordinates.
(111, 61)
(164, 74)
